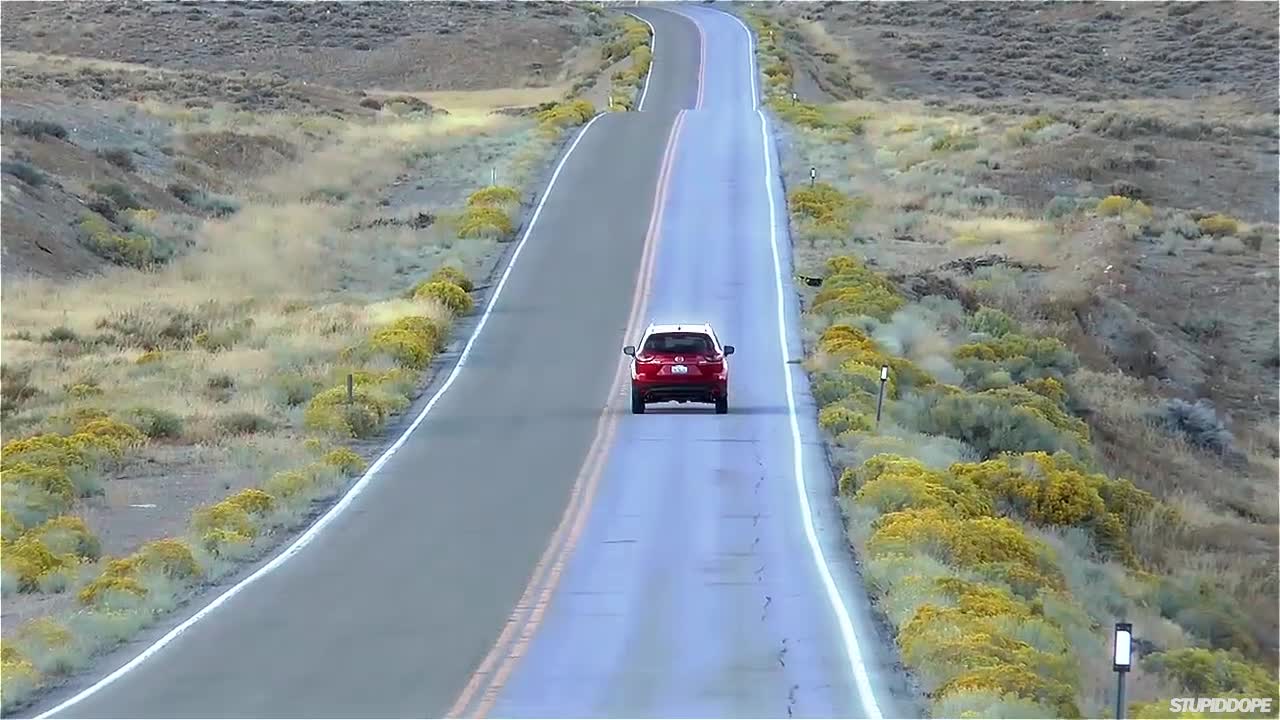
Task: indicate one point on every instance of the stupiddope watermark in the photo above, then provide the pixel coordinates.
(1220, 705)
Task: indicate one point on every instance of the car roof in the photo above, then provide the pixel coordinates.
(682, 327)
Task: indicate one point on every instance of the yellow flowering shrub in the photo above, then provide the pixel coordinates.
(846, 339)
(874, 301)
(17, 674)
(891, 483)
(46, 450)
(1218, 224)
(328, 410)
(410, 341)
(169, 557)
(118, 577)
(223, 515)
(1046, 408)
(852, 289)
(451, 274)
(112, 433)
(290, 483)
(962, 542)
(966, 647)
(43, 632)
(53, 480)
(67, 535)
(253, 501)
(1113, 205)
(565, 115)
(904, 373)
(837, 419)
(481, 221)
(1048, 387)
(867, 377)
(493, 196)
(348, 462)
(821, 203)
(452, 297)
(30, 560)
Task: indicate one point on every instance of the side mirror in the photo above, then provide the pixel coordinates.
(728, 349)
(629, 350)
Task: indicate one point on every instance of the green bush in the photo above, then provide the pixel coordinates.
(127, 248)
(993, 322)
(329, 411)
(244, 422)
(1213, 673)
(992, 425)
(155, 423)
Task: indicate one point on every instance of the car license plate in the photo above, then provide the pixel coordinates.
(679, 369)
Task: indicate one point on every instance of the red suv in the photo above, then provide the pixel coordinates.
(680, 363)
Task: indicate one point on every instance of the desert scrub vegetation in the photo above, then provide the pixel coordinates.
(634, 46)
(987, 523)
(778, 76)
(115, 384)
(116, 596)
(1018, 454)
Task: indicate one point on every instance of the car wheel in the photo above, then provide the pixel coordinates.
(637, 404)
(722, 405)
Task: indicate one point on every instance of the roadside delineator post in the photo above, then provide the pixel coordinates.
(351, 388)
(884, 378)
(813, 176)
(795, 98)
(1122, 661)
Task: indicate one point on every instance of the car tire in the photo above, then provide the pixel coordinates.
(637, 404)
(722, 405)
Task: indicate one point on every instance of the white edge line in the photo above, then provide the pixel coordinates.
(653, 54)
(360, 485)
(852, 650)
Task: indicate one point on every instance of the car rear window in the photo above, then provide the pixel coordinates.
(681, 342)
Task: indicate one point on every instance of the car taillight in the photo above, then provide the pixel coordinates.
(710, 360)
(643, 359)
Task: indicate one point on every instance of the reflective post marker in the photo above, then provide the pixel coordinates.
(1122, 661)
(884, 378)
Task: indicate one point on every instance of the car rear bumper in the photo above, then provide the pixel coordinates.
(707, 391)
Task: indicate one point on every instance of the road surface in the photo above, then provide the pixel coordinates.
(659, 565)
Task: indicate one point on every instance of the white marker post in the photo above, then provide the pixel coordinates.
(1122, 662)
(884, 378)
(813, 176)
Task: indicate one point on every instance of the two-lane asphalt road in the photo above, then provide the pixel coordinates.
(677, 563)
(699, 585)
